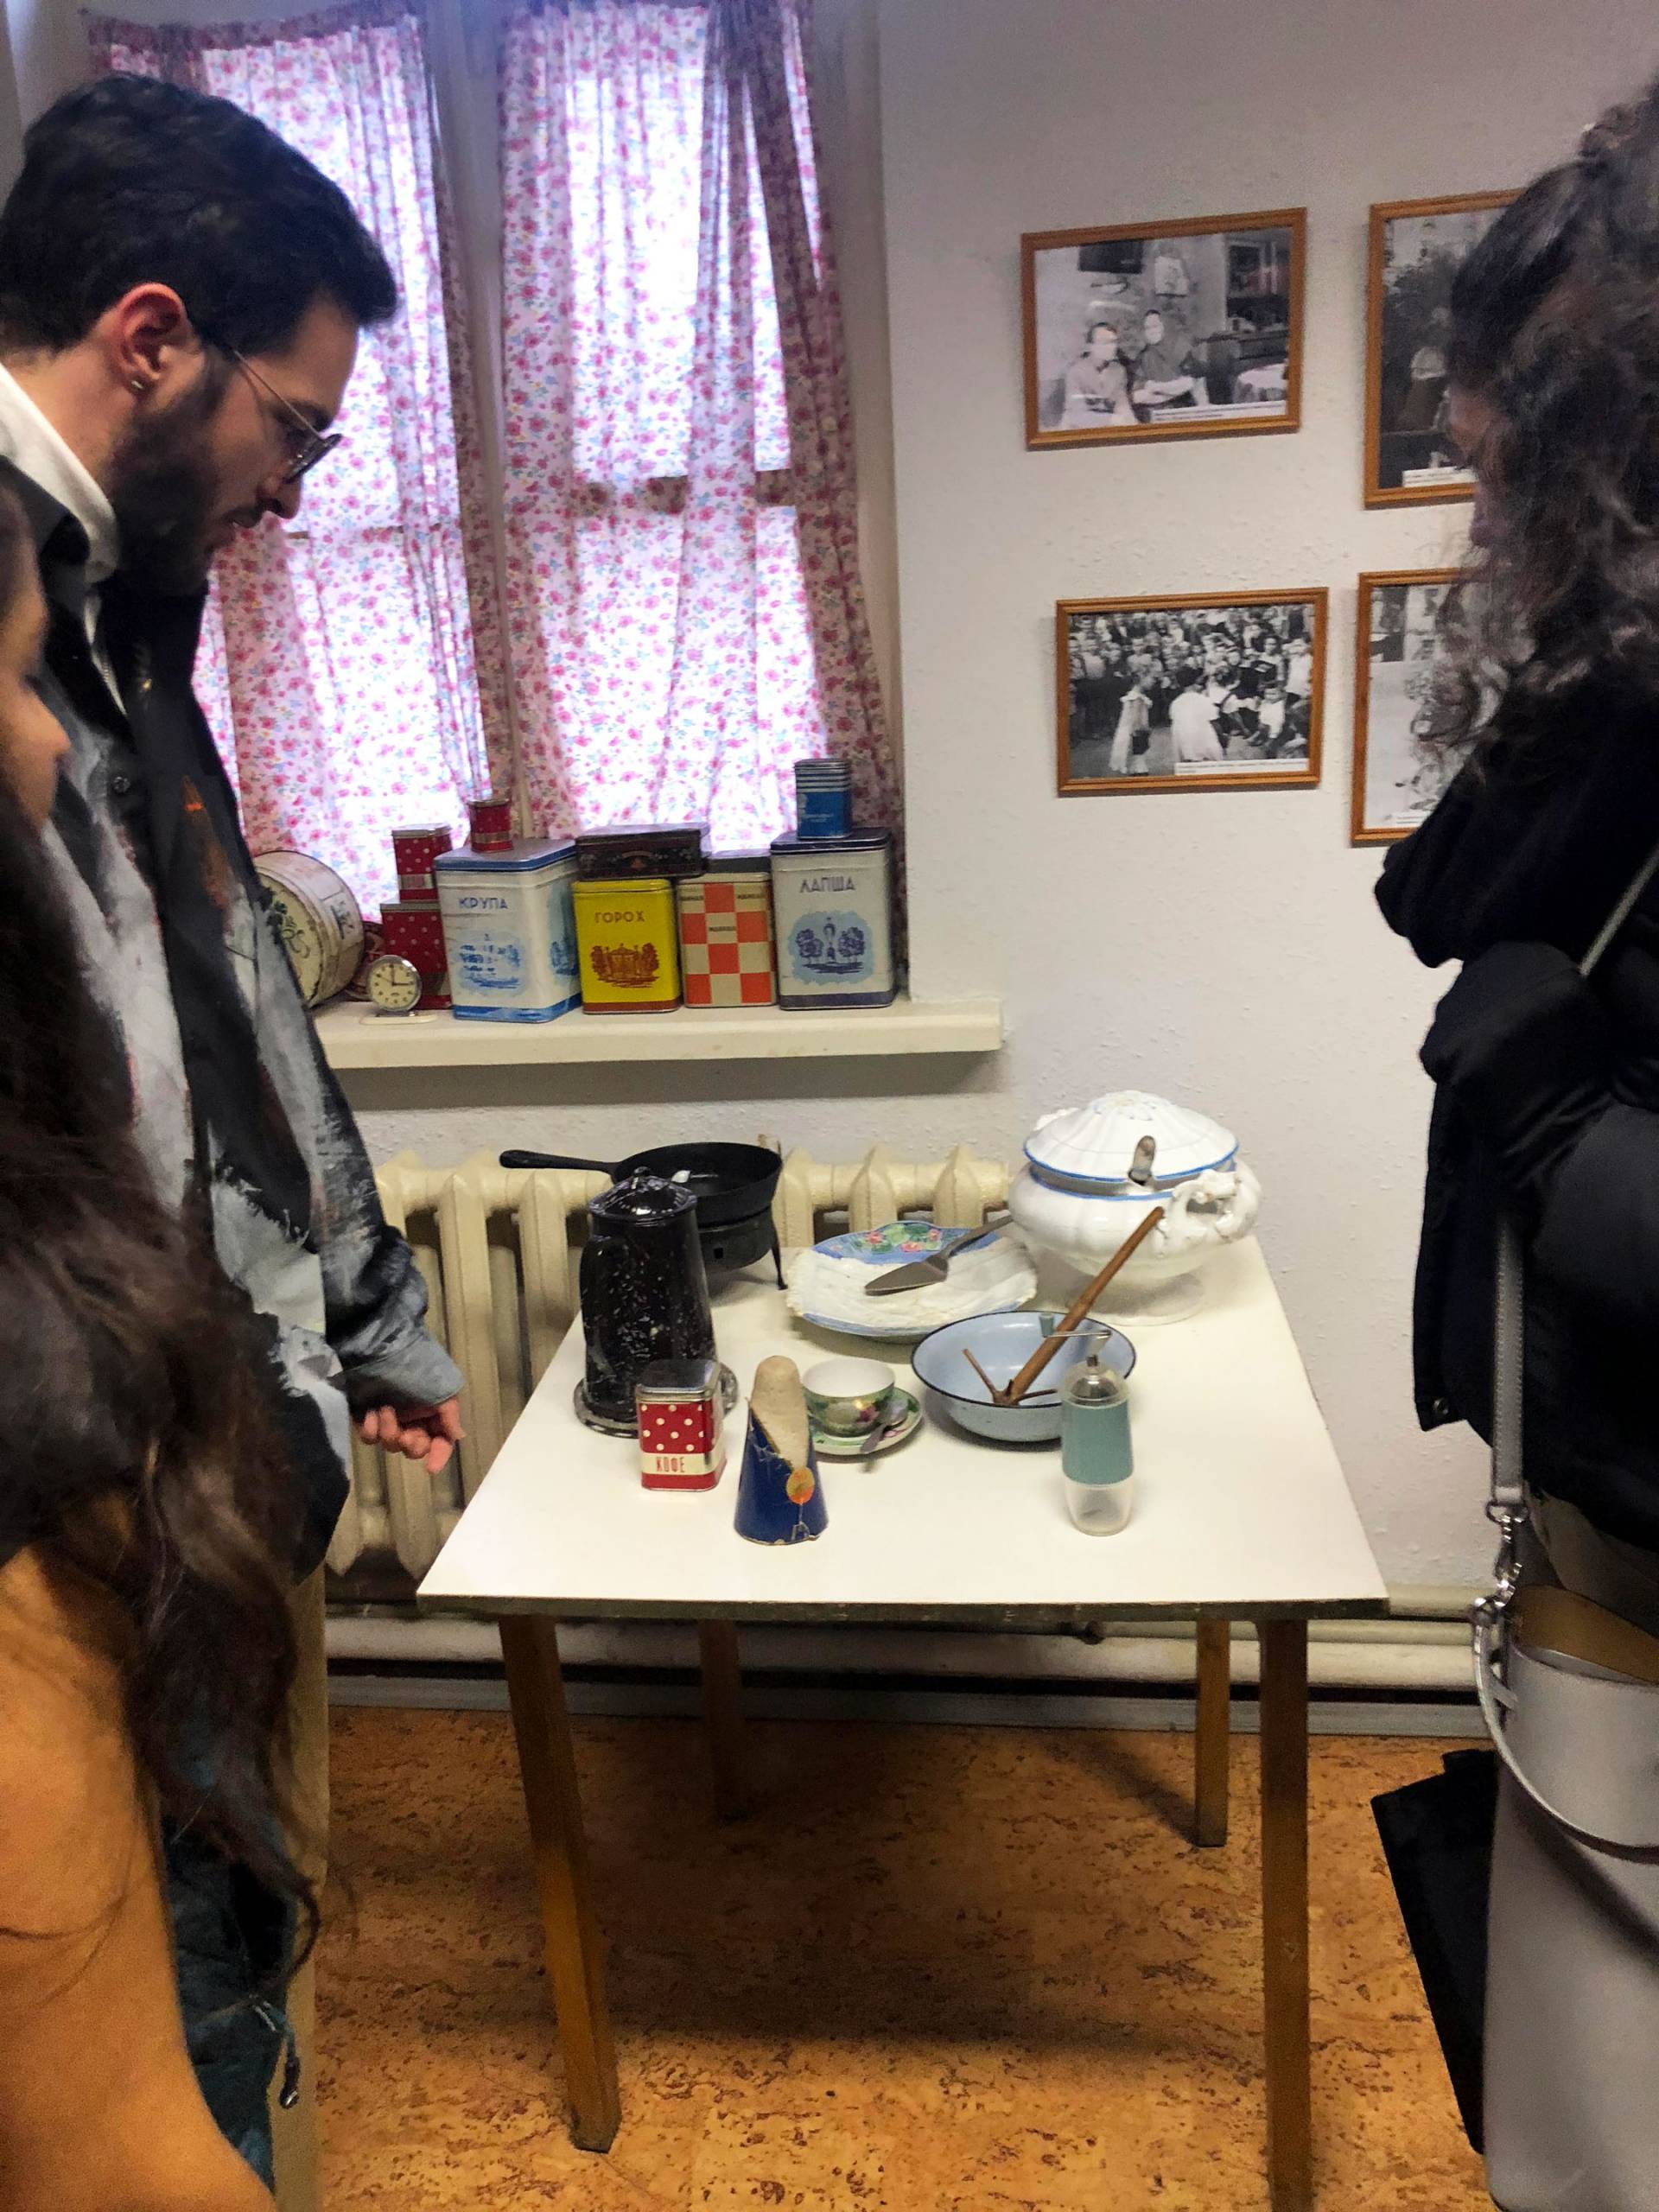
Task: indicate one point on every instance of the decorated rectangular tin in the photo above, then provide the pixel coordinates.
(832, 902)
(670, 849)
(510, 931)
(725, 942)
(629, 946)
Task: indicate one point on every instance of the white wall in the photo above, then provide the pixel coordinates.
(1222, 948)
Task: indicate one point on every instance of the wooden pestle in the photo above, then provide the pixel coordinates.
(1077, 1309)
(778, 1403)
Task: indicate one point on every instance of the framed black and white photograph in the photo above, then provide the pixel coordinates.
(1190, 693)
(1417, 246)
(1182, 329)
(1397, 780)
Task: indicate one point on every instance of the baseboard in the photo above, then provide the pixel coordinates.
(981, 1704)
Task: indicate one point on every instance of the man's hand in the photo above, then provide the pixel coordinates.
(429, 1434)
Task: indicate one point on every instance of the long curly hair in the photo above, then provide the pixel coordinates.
(140, 1463)
(1556, 327)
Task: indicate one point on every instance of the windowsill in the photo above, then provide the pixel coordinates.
(355, 1036)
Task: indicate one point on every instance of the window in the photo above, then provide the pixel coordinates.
(340, 668)
(651, 608)
(679, 499)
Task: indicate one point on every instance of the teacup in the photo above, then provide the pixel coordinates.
(849, 1397)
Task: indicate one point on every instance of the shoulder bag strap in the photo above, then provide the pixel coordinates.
(1506, 1506)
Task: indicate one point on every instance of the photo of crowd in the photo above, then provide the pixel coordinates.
(1188, 331)
(1218, 690)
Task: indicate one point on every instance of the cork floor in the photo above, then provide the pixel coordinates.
(942, 1970)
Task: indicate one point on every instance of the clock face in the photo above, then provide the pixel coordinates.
(394, 983)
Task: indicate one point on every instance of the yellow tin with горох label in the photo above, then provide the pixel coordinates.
(627, 939)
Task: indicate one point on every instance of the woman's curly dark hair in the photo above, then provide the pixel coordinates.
(1556, 327)
(140, 1463)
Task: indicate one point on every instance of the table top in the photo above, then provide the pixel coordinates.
(1239, 1505)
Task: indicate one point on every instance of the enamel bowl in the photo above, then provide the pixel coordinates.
(1002, 1342)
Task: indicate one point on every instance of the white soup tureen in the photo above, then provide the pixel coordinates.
(1092, 1173)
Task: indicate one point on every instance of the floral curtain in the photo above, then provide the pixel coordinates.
(684, 611)
(352, 665)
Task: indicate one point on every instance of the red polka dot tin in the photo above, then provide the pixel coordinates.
(682, 1424)
(418, 846)
(416, 932)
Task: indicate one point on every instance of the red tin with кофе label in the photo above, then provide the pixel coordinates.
(682, 1424)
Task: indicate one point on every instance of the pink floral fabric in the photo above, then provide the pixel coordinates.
(353, 666)
(683, 607)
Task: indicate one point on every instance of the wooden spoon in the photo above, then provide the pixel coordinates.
(1012, 1392)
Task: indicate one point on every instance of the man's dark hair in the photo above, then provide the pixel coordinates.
(131, 182)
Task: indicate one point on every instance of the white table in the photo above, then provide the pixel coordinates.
(1240, 1513)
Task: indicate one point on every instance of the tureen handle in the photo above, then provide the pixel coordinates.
(1229, 1197)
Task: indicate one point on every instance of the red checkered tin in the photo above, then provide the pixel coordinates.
(682, 1424)
(416, 932)
(418, 846)
(727, 956)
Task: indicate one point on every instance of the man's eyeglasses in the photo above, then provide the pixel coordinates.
(307, 444)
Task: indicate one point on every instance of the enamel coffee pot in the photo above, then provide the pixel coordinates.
(645, 1296)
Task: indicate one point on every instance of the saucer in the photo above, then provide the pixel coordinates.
(903, 1426)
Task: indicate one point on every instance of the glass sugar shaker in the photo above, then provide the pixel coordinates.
(1096, 1461)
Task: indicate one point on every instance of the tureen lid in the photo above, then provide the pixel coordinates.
(1095, 1143)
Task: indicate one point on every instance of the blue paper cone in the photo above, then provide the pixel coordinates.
(777, 1502)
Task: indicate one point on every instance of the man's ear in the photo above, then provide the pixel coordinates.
(147, 338)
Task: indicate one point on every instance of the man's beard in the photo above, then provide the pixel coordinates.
(163, 489)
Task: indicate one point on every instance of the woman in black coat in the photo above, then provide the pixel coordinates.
(1546, 1105)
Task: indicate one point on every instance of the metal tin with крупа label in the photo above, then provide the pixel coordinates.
(510, 931)
(832, 902)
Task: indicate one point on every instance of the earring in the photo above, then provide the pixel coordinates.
(137, 384)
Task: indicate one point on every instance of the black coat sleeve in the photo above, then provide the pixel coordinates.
(1597, 1230)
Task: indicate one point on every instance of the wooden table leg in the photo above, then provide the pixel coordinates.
(569, 1927)
(722, 1713)
(1284, 1912)
(1211, 1735)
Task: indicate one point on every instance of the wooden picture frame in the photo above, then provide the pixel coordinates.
(1101, 626)
(1391, 446)
(1206, 300)
(1366, 824)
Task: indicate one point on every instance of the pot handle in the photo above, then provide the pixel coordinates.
(558, 1160)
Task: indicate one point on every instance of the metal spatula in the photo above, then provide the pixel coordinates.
(922, 1275)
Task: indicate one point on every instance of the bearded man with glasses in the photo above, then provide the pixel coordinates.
(181, 295)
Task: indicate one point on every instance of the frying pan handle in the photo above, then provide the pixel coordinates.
(556, 1159)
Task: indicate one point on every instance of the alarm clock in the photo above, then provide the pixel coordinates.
(394, 984)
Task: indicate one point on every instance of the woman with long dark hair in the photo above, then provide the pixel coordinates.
(1546, 1121)
(146, 1649)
